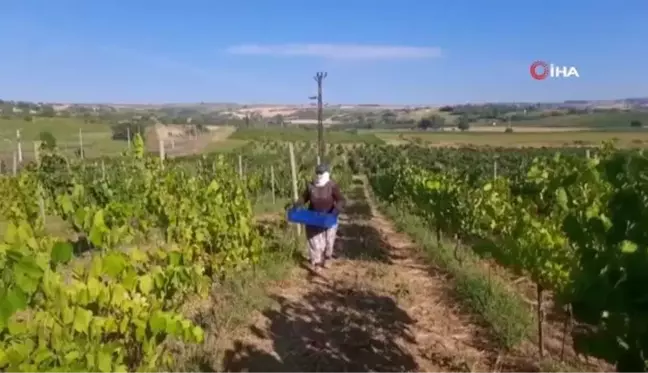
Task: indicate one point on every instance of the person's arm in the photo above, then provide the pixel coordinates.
(304, 198)
(338, 199)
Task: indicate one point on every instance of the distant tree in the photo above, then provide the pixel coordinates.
(446, 109)
(279, 120)
(48, 141)
(464, 123)
(436, 121)
(424, 123)
(28, 118)
(361, 120)
(388, 117)
(635, 123)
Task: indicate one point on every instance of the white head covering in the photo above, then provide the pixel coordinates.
(321, 179)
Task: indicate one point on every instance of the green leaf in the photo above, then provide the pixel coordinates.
(3, 359)
(42, 354)
(79, 217)
(96, 236)
(16, 327)
(62, 252)
(14, 300)
(174, 258)
(11, 233)
(18, 352)
(98, 229)
(158, 322)
(561, 198)
(82, 318)
(145, 284)
(138, 256)
(121, 368)
(198, 334)
(67, 315)
(118, 295)
(66, 203)
(104, 361)
(113, 264)
(94, 287)
(628, 247)
(28, 266)
(24, 283)
(27, 275)
(71, 356)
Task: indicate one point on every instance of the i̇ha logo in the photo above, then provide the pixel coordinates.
(541, 70)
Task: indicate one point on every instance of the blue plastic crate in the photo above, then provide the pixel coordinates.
(312, 218)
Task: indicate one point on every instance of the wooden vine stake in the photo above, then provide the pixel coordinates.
(19, 146)
(41, 199)
(81, 153)
(272, 183)
(240, 166)
(293, 173)
(567, 325)
(540, 315)
(162, 155)
(36, 152)
(128, 137)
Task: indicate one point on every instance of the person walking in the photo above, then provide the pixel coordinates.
(321, 195)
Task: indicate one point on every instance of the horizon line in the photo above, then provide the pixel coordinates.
(108, 103)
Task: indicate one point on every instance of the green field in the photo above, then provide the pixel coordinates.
(305, 135)
(96, 136)
(596, 120)
(563, 138)
(484, 136)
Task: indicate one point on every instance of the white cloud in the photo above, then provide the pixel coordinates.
(338, 51)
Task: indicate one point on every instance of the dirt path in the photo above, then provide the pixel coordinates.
(183, 146)
(376, 309)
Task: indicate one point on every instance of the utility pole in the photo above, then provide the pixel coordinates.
(319, 77)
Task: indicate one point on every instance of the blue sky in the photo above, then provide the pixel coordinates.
(380, 51)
